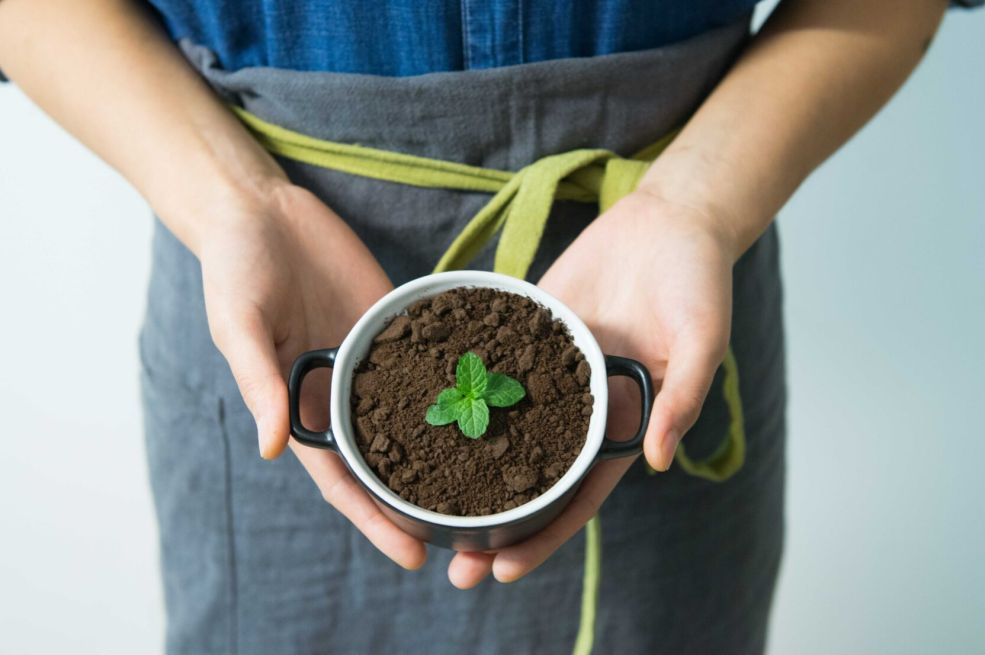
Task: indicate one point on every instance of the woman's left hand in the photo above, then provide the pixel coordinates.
(652, 279)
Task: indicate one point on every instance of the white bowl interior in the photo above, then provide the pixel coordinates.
(357, 343)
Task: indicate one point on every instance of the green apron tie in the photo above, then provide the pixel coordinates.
(519, 208)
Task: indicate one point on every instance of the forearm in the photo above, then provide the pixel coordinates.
(811, 78)
(104, 70)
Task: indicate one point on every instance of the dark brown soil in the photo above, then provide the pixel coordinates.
(527, 447)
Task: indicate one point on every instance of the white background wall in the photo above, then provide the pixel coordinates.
(885, 277)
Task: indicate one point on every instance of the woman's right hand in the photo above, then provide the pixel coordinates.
(282, 272)
(283, 275)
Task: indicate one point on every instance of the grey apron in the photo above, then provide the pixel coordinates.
(255, 562)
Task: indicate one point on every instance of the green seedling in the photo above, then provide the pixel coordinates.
(474, 392)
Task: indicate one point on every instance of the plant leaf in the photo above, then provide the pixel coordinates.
(446, 409)
(449, 396)
(441, 415)
(474, 417)
(470, 375)
(502, 390)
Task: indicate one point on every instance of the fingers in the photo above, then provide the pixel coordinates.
(466, 570)
(342, 491)
(248, 346)
(690, 369)
(514, 562)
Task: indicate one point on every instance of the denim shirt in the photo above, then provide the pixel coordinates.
(410, 37)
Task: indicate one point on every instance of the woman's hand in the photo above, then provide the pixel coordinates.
(652, 277)
(281, 276)
(282, 273)
(653, 281)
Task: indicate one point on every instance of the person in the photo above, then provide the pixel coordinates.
(258, 257)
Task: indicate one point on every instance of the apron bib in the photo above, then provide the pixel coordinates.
(255, 562)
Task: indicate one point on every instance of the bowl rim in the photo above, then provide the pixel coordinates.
(357, 342)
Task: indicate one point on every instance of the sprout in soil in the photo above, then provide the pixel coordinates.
(469, 400)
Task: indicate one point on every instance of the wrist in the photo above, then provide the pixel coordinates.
(700, 213)
(713, 192)
(211, 198)
(649, 219)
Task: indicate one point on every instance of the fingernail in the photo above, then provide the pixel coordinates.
(263, 440)
(667, 449)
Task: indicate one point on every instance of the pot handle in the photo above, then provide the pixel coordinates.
(304, 364)
(632, 369)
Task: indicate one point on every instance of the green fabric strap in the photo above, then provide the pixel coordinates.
(585, 638)
(519, 209)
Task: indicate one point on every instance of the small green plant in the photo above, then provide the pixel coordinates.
(469, 400)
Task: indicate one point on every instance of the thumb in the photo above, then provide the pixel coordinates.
(690, 370)
(248, 346)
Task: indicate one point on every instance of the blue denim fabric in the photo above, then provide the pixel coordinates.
(411, 37)
(404, 37)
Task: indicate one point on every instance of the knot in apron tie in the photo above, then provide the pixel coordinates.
(521, 208)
